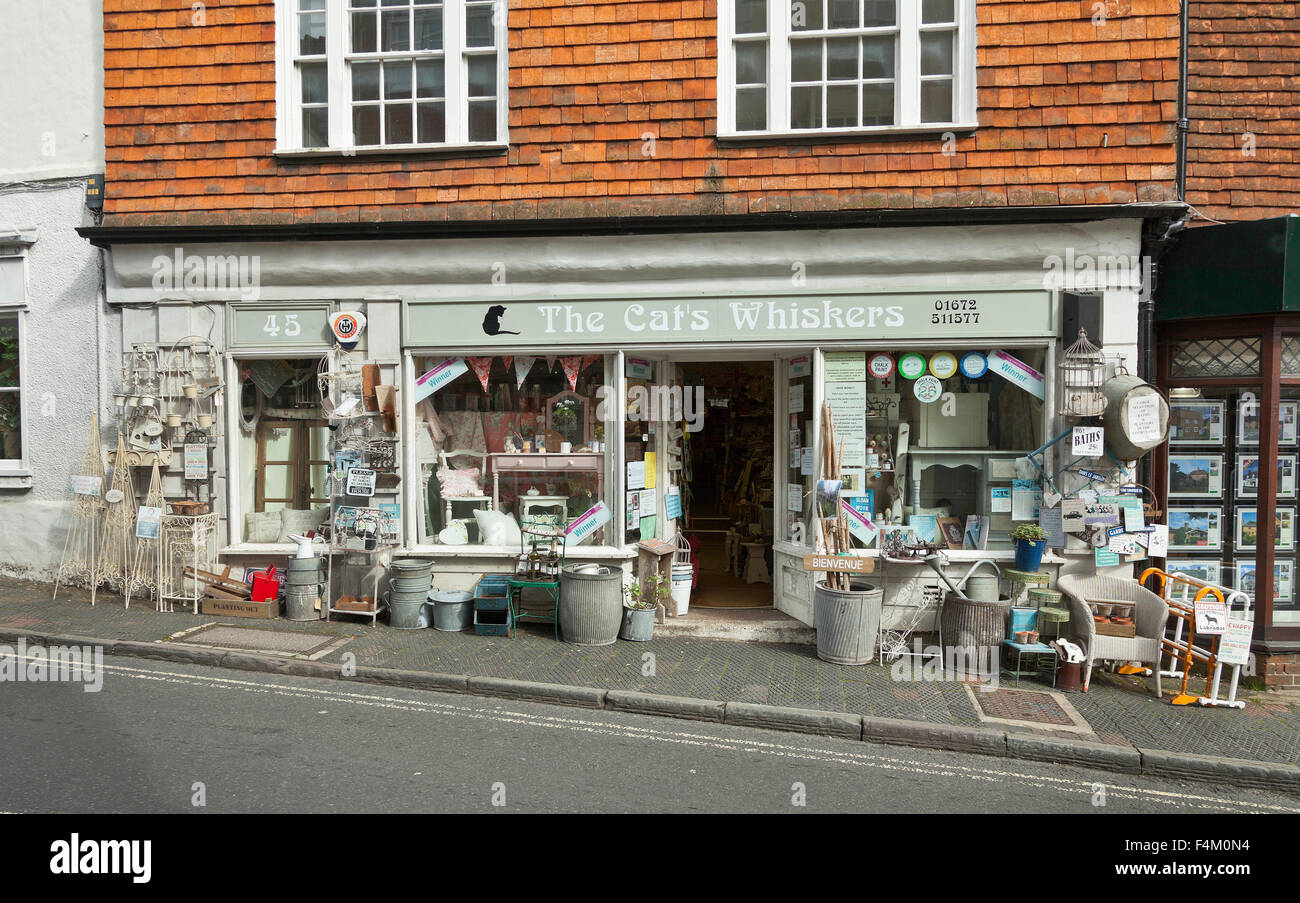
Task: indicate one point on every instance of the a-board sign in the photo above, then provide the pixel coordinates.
(839, 564)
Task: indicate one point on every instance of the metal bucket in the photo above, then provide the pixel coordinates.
(404, 615)
(303, 578)
(411, 567)
(847, 622)
(638, 624)
(300, 605)
(591, 606)
(410, 586)
(453, 610)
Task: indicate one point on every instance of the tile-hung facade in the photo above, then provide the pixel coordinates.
(578, 203)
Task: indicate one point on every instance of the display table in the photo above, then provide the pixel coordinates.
(1020, 581)
(546, 463)
(1034, 651)
(1053, 617)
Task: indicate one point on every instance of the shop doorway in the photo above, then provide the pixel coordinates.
(730, 485)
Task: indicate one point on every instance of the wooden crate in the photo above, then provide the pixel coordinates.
(1108, 628)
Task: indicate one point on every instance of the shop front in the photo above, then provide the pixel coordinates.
(1229, 358)
(628, 388)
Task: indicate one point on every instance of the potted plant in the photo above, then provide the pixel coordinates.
(1031, 542)
(640, 606)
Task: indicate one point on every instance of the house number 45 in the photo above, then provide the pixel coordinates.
(291, 325)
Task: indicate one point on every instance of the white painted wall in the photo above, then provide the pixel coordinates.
(52, 70)
(69, 358)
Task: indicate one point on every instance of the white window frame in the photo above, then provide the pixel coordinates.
(288, 106)
(15, 473)
(907, 77)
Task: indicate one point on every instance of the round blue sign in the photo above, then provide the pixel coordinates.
(974, 364)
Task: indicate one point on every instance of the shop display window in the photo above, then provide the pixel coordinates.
(283, 450)
(956, 421)
(510, 442)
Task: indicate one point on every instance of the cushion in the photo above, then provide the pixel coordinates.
(496, 528)
(262, 526)
(459, 482)
(301, 522)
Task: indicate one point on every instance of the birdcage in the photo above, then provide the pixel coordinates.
(1083, 375)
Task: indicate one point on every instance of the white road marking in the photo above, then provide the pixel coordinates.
(681, 737)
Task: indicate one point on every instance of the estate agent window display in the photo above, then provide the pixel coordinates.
(513, 441)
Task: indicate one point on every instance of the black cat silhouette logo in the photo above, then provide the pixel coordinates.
(492, 322)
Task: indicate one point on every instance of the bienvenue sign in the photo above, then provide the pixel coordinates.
(505, 322)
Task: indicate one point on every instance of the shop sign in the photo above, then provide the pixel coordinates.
(1088, 442)
(196, 461)
(943, 365)
(585, 524)
(928, 389)
(911, 366)
(800, 366)
(881, 366)
(1234, 645)
(1018, 373)
(974, 365)
(288, 325)
(640, 369)
(822, 316)
(361, 481)
(839, 564)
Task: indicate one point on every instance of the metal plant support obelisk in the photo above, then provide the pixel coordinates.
(143, 576)
(113, 561)
(78, 562)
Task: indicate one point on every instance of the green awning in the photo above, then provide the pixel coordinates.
(1232, 270)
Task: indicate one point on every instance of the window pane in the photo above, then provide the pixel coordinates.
(878, 57)
(936, 101)
(936, 53)
(842, 59)
(311, 34)
(11, 426)
(751, 63)
(936, 12)
(483, 76)
(13, 283)
(370, 4)
(277, 482)
(878, 13)
(429, 80)
(365, 125)
(478, 26)
(878, 104)
(319, 487)
(397, 80)
(806, 15)
(751, 16)
(365, 81)
(315, 4)
(806, 60)
(8, 352)
(432, 123)
(844, 13)
(365, 33)
(751, 109)
(314, 84)
(315, 127)
(278, 444)
(397, 123)
(428, 28)
(397, 29)
(806, 107)
(841, 106)
(482, 120)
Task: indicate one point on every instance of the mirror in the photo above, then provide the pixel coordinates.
(568, 414)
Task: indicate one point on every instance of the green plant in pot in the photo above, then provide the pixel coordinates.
(1031, 543)
(639, 608)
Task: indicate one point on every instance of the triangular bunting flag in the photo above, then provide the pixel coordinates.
(571, 367)
(507, 360)
(482, 368)
(522, 366)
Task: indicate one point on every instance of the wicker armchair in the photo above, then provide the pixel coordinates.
(1151, 614)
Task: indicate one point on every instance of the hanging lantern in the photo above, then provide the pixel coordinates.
(1083, 374)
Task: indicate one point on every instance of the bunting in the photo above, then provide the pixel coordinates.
(482, 368)
(571, 367)
(522, 366)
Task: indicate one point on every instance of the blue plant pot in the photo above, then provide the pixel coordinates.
(1029, 555)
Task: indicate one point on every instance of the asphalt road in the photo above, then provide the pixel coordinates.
(162, 737)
